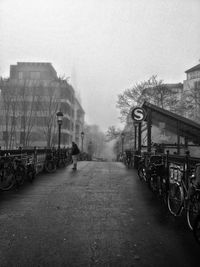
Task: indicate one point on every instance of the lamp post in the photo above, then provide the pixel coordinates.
(59, 115)
(82, 137)
(122, 137)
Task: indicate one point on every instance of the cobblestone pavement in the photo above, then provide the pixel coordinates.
(100, 215)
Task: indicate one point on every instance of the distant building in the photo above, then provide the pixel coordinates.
(191, 88)
(29, 101)
(193, 73)
(78, 121)
(176, 89)
(193, 78)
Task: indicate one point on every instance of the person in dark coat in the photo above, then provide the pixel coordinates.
(75, 152)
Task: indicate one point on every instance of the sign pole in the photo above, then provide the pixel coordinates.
(138, 115)
(135, 141)
(139, 138)
(149, 125)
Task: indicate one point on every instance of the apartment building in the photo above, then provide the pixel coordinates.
(193, 77)
(30, 99)
(78, 121)
(191, 89)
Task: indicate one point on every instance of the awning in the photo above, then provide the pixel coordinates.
(173, 122)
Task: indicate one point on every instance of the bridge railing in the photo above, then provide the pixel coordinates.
(18, 164)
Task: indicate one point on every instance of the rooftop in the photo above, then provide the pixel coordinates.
(173, 121)
(197, 67)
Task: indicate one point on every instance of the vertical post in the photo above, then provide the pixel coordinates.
(149, 125)
(167, 169)
(122, 138)
(186, 143)
(82, 136)
(178, 138)
(139, 138)
(187, 168)
(135, 141)
(59, 115)
(82, 144)
(59, 135)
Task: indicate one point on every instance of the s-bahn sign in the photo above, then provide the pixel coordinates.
(138, 114)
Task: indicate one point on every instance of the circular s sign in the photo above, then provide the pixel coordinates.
(138, 114)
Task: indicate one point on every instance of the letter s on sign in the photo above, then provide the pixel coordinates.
(138, 114)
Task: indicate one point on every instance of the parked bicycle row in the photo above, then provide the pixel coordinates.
(176, 181)
(16, 166)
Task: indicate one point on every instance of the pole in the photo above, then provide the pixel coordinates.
(59, 135)
(178, 138)
(122, 146)
(135, 141)
(82, 143)
(149, 125)
(139, 138)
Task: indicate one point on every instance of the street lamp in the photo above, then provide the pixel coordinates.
(122, 136)
(82, 136)
(59, 115)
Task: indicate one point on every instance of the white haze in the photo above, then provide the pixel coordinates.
(105, 46)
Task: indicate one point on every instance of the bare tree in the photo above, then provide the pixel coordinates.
(8, 102)
(95, 137)
(191, 102)
(48, 109)
(152, 90)
(112, 133)
(27, 97)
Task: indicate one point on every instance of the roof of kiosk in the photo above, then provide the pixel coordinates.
(173, 121)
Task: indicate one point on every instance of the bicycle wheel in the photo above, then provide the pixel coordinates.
(7, 180)
(175, 199)
(193, 209)
(31, 173)
(20, 175)
(50, 166)
(196, 228)
(142, 173)
(164, 189)
(153, 183)
(61, 163)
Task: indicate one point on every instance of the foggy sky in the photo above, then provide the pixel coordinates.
(105, 46)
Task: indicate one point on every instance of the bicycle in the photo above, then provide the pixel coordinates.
(142, 171)
(50, 163)
(30, 169)
(183, 195)
(7, 178)
(20, 172)
(158, 181)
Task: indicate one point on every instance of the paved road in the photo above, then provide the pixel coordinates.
(101, 215)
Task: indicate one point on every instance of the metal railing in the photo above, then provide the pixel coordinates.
(20, 164)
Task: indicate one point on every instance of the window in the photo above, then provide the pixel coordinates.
(22, 137)
(197, 85)
(20, 75)
(5, 136)
(34, 75)
(66, 123)
(65, 93)
(65, 107)
(194, 75)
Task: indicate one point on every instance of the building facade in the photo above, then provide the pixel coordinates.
(191, 89)
(30, 99)
(78, 122)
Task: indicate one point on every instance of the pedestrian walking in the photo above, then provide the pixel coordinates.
(75, 152)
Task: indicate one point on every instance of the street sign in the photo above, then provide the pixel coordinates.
(138, 114)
